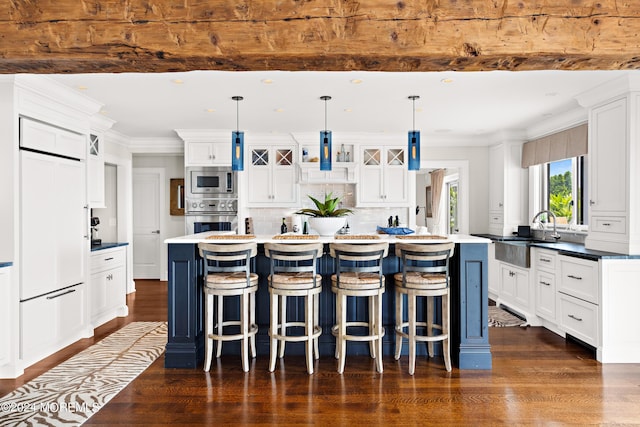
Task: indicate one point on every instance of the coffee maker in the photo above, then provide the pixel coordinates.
(95, 221)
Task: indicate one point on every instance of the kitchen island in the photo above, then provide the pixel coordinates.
(469, 300)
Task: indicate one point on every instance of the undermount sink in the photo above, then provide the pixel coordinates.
(516, 252)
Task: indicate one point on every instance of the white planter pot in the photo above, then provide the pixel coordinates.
(327, 226)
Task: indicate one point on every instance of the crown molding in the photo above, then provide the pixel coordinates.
(156, 145)
(609, 90)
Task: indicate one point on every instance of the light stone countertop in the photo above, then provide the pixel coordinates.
(202, 237)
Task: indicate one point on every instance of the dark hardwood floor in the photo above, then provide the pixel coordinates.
(538, 378)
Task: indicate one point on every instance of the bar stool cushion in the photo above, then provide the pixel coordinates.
(422, 280)
(357, 280)
(230, 280)
(294, 281)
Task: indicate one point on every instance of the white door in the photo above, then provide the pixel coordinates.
(148, 199)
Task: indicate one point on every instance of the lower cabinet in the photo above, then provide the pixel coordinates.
(514, 290)
(579, 318)
(107, 285)
(544, 284)
(51, 322)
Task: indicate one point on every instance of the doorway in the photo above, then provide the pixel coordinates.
(148, 199)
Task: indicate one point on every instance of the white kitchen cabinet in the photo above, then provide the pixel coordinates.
(5, 317)
(208, 153)
(51, 322)
(579, 278)
(107, 286)
(544, 263)
(612, 172)
(272, 176)
(508, 188)
(383, 176)
(514, 288)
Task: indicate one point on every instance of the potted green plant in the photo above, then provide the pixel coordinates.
(328, 217)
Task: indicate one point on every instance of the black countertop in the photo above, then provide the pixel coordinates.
(107, 245)
(564, 248)
(5, 264)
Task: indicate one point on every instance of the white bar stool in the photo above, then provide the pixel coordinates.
(227, 273)
(358, 274)
(293, 274)
(425, 273)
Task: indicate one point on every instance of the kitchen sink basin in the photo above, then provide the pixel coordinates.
(516, 252)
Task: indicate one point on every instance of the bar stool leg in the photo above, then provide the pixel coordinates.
(445, 330)
(338, 320)
(208, 348)
(252, 321)
(412, 331)
(244, 326)
(309, 316)
(342, 331)
(273, 330)
(219, 328)
(372, 325)
(378, 318)
(316, 322)
(283, 323)
(399, 319)
(430, 316)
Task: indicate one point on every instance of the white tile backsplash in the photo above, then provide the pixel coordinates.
(362, 221)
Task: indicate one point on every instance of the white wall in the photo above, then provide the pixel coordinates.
(108, 228)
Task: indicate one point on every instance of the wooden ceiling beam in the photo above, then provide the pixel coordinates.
(72, 36)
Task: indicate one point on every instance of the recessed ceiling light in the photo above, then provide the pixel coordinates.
(279, 110)
(348, 110)
(210, 110)
(82, 87)
(104, 112)
(267, 81)
(356, 81)
(446, 80)
(178, 81)
(419, 110)
(551, 94)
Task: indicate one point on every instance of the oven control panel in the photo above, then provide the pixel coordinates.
(209, 206)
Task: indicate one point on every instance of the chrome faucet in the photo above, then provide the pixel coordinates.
(555, 234)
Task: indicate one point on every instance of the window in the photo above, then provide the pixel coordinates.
(564, 189)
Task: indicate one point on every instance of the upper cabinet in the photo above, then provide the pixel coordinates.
(508, 183)
(50, 139)
(95, 160)
(383, 176)
(272, 176)
(206, 147)
(208, 153)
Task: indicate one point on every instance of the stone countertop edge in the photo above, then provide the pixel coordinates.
(107, 245)
(576, 250)
(202, 237)
(5, 264)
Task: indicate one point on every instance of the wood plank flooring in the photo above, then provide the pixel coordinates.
(538, 378)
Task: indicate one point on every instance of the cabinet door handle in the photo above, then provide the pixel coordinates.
(571, 276)
(545, 283)
(108, 259)
(59, 295)
(579, 319)
(606, 224)
(591, 202)
(155, 232)
(545, 260)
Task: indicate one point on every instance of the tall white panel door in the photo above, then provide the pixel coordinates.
(147, 231)
(54, 227)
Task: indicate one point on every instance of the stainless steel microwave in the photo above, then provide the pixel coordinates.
(211, 182)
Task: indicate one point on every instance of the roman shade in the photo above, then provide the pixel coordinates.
(558, 146)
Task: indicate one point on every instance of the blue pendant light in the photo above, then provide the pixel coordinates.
(414, 141)
(325, 140)
(237, 140)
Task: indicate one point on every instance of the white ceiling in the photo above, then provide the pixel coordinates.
(146, 105)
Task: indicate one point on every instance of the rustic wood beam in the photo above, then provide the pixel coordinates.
(72, 36)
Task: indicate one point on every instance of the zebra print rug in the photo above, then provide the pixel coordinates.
(499, 318)
(76, 389)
